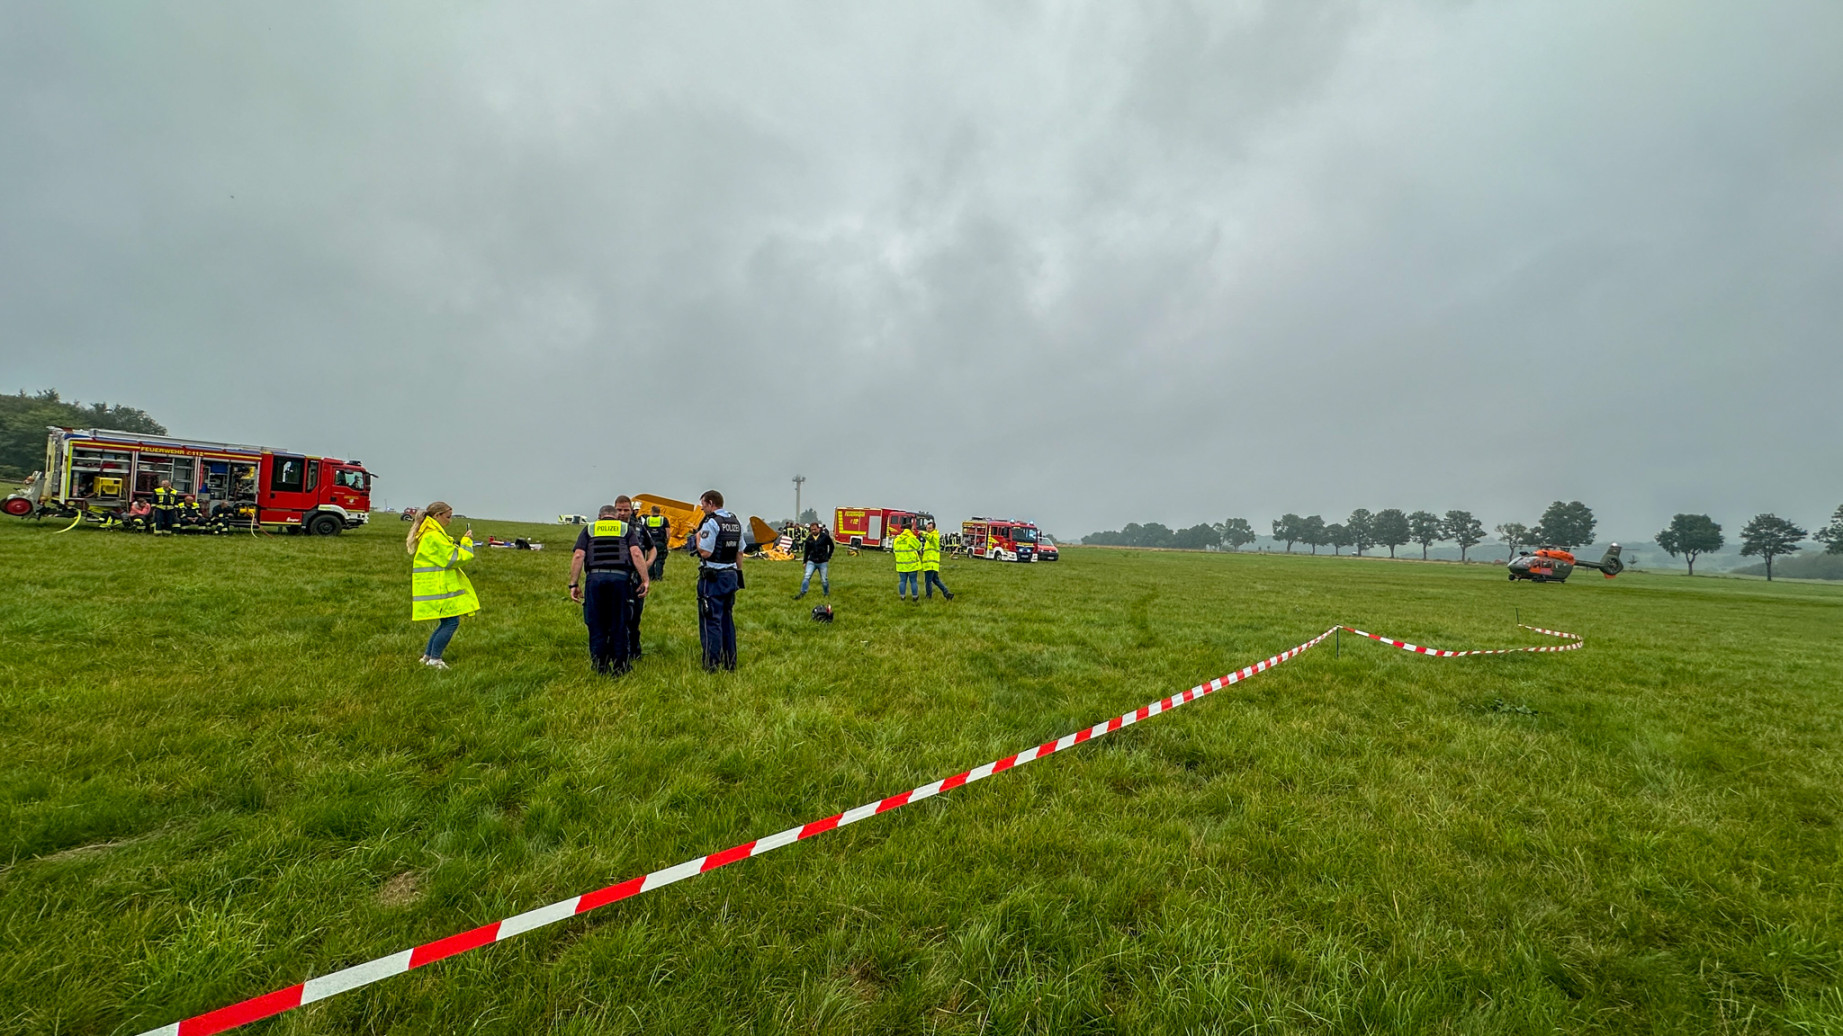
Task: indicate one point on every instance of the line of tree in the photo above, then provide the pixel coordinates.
(1568, 525)
(1389, 528)
(24, 418)
(1154, 534)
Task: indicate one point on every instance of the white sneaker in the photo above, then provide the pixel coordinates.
(435, 663)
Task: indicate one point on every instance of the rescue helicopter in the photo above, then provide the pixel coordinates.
(1555, 565)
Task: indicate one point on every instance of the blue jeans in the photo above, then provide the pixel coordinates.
(443, 633)
(607, 608)
(934, 580)
(908, 583)
(825, 584)
(717, 616)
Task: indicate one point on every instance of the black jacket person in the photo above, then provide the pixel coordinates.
(604, 572)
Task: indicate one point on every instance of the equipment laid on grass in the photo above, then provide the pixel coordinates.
(874, 527)
(96, 471)
(999, 539)
(822, 613)
(1554, 565)
(316, 989)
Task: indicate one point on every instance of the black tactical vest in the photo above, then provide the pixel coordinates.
(608, 547)
(729, 539)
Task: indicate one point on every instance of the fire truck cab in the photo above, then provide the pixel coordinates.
(999, 539)
(100, 472)
(874, 527)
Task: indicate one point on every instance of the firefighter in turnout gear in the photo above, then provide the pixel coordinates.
(166, 508)
(931, 563)
(607, 572)
(191, 516)
(658, 532)
(438, 587)
(719, 544)
(908, 564)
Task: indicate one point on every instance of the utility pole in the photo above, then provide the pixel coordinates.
(797, 480)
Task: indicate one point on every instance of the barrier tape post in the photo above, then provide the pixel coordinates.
(358, 975)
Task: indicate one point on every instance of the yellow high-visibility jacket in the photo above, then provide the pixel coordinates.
(438, 587)
(908, 552)
(931, 551)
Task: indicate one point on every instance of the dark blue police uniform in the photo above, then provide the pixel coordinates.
(608, 591)
(719, 577)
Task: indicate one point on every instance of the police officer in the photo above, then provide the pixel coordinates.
(659, 532)
(166, 507)
(624, 510)
(719, 545)
(603, 571)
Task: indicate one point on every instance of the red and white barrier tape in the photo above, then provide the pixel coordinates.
(315, 989)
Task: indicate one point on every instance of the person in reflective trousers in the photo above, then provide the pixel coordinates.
(603, 572)
(908, 564)
(438, 588)
(166, 508)
(659, 536)
(931, 563)
(719, 544)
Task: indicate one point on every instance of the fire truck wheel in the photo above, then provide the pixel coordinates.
(325, 525)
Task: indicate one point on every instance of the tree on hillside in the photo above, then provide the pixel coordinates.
(1337, 536)
(1286, 527)
(807, 517)
(1514, 535)
(1690, 535)
(1567, 525)
(1390, 527)
(1357, 526)
(1832, 534)
(1768, 536)
(1463, 529)
(1312, 531)
(1425, 529)
(24, 418)
(1236, 532)
(1196, 537)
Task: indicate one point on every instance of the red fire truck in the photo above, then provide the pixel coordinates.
(999, 539)
(874, 527)
(99, 472)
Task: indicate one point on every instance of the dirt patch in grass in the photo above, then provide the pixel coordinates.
(401, 890)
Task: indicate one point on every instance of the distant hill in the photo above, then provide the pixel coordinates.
(1799, 566)
(24, 418)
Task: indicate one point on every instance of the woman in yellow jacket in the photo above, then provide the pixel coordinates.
(438, 587)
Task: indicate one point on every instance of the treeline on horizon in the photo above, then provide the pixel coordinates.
(1566, 525)
(24, 418)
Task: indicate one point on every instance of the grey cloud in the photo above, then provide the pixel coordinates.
(1094, 265)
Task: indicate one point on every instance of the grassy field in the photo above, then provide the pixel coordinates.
(222, 771)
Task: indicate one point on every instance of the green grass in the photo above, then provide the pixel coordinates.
(222, 772)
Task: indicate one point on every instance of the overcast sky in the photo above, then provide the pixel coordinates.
(1087, 264)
